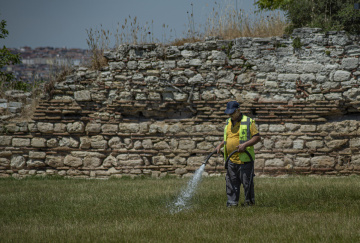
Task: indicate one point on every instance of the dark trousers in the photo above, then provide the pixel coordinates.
(235, 176)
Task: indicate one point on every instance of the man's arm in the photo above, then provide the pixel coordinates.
(254, 140)
(219, 146)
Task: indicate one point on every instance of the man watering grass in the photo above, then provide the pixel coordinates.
(240, 134)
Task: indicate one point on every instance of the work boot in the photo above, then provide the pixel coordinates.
(229, 205)
(248, 203)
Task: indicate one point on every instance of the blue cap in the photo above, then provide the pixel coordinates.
(231, 107)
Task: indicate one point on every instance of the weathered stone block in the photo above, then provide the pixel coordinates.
(274, 162)
(34, 163)
(132, 65)
(315, 144)
(176, 128)
(109, 128)
(188, 54)
(17, 162)
(306, 78)
(333, 96)
(196, 79)
(68, 142)
(180, 96)
(161, 145)
(308, 128)
(298, 144)
(52, 142)
(341, 76)
(154, 96)
(72, 161)
(20, 142)
(336, 144)
(91, 162)
(177, 160)
(282, 144)
(181, 171)
(93, 128)
(355, 159)
(82, 95)
(115, 143)
(222, 94)
(76, 127)
(5, 140)
(159, 160)
(350, 63)
(140, 96)
(187, 144)
(98, 142)
(312, 68)
(268, 143)
(288, 77)
(158, 127)
(352, 94)
(302, 162)
(129, 127)
(130, 159)
(110, 161)
(45, 127)
(83, 154)
(60, 127)
(116, 65)
(37, 155)
(195, 161)
(147, 144)
(276, 128)
(4, 162)
(85, 142)
(355, 142)
(322, 161)
(205, 145)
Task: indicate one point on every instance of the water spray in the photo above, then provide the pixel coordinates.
(182, 202)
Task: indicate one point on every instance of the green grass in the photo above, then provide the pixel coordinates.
(294, 209)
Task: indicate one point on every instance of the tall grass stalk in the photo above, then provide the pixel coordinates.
(225, 22)
(229, 23)
(295, 209)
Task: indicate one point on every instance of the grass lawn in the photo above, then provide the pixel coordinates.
(294, 209)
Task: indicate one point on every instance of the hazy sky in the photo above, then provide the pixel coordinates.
(63, 23)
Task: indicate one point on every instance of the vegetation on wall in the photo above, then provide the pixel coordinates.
(223, 21)
(325, 14)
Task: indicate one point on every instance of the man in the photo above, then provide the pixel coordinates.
(240, 134)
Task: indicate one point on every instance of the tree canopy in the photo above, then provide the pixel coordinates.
(6, 58)
(325, 14)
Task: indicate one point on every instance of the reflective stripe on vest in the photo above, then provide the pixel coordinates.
(244, 136)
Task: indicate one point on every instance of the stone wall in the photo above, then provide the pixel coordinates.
(158, 110)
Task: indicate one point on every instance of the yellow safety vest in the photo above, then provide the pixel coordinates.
(244, 136)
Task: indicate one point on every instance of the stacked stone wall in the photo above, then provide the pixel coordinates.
(159, 110)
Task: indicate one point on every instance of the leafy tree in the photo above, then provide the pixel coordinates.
(325, 14)
(6, 58)
(273, 4)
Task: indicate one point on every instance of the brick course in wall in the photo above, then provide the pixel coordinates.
(159, 111)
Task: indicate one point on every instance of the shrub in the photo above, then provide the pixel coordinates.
(325, 14)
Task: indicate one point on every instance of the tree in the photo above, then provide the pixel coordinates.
(6, 58)
(325, 14)
(273, 4)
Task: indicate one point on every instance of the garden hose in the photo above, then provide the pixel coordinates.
(207, 158)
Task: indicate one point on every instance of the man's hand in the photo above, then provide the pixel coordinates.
(219, 147)
(241, 148)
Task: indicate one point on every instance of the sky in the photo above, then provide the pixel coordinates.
(63, 23)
